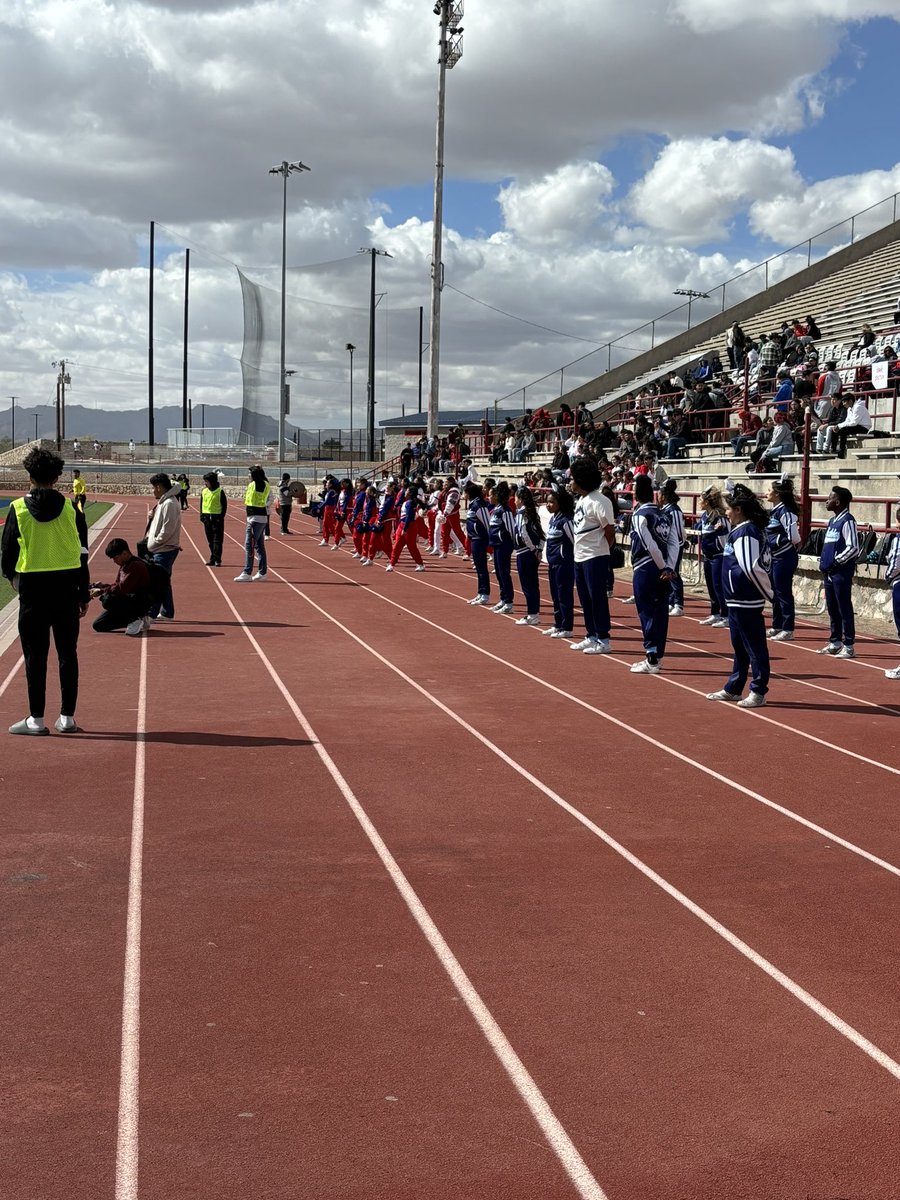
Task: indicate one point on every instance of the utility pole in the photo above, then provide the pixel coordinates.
(150, 427)
(63, 377)
(284, 169)
(12, 436)
(185, 406)
(370, 381)
(450, 45)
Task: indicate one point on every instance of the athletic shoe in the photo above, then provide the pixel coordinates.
(645, 668)
(146, 621)
(389, 567)
(420, 567)
(565, 634)
(831, 648)
(28, 730)
(365, 562)
(551, 632)
(599, 647)
(335, 547)
(676, 611)
(723, 695)
(720, 623)
(772, 633)
(355, 554)
(504, 609)
(136, 628)
(710, 620)
(323, 542)
(467, 558)
(498, 606)
(210, 563)
(754, 700)
(66, 725)
(583, 644)
(786, 635)
(244, 577)
(847, 652)
(442, 554)
(628, 599)
(482, 600)
(894, 674)
(532, 619)
(259, 577)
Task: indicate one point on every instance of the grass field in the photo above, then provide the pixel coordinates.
(93, 511)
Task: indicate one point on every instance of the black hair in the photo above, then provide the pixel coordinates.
(346, 483)
(526, 495)
(784, 490)
(258, 475)
(116, 546)
(43, 466)
(285, 475)
(844, 495)
(643, 489)
(749, 504)
(669, 488)
(565, 501)
(585, 474)
(161, 479)
(473, 491)
(501, 491)
(212, 477)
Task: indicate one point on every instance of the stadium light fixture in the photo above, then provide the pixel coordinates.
(692, 296)
(350, 349)
(450, 46)
(285, 170)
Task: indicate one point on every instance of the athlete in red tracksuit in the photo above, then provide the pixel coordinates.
(368, 517)
(407, 534)
(329, 504)
(451, 527)
(342, 511)
(356, 518)
(381, 531)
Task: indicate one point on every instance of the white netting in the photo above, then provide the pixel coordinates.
(326, 306)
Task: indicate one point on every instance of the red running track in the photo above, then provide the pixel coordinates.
(405, 901)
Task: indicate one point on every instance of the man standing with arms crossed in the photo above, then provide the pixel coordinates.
(44, 556)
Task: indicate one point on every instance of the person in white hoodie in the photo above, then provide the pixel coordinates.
(164, 538)
(857, 420)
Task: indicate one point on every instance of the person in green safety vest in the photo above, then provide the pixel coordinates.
(258, 500)
(213, 507)
(43, 554)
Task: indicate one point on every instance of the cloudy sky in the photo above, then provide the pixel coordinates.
(598, 156)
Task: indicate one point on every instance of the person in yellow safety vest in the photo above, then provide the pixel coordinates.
(79, 491)
(43, 554)
(213, 507)
(258, 500)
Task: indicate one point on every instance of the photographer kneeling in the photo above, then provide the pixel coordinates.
(127, 601)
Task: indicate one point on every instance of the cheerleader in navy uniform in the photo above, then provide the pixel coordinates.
(783, 534)
(595, 531)
(713, 528)
(654, 551)
(342, 511)
(668, 502)
(503, 539)
(367, 519)
(356, 517)
(561, 561)
(746, 577)
(837, 563)
(892, 575)
(329, 506)
(478, 531)
(529, 546)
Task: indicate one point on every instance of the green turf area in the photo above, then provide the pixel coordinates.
(94, 509)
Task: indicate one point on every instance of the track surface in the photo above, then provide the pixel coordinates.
(352, 891)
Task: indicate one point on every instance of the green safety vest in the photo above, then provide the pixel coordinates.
(211, 501)
(47, 545)
(255, 499)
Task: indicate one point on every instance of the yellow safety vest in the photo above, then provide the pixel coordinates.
(78, 487)
(255, 499)
(47, 545)
(211, 501)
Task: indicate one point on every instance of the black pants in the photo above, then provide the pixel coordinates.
(841, 436)
(285, 517)
(49, 604)
(119, 611)
(214, 528)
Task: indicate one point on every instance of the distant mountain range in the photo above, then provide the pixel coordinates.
(118, 426)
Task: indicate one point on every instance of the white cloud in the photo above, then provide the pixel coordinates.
(791, 217)
(561, 207)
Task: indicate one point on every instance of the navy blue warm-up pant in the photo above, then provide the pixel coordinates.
(503, 571)
(591, 578)
(561, 575)
(712, 573)
(839, 602)
(751, 650)
(651, 598)
(784, 567)
(527, 567)
(480, 559)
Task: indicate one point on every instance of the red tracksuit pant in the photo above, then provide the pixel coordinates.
(409, 539)
(329, 524)
(451, 523)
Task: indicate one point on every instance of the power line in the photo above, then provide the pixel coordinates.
(524, 321)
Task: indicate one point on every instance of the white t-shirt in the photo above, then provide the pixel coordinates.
(593, 513)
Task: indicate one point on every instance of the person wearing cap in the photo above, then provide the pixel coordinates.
(213, 507)
(43, 554)
(258, 500)
(747, 585)
(837, 563)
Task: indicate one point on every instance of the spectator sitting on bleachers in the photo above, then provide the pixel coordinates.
(829, 382)
(751, 424)
(857, 421)
(785, 392)
(679, 429)
(770, 355)
(763, 438)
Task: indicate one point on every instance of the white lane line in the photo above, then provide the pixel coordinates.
(625, 728)
(800, 993)
(129, 1067)
(551, 1127)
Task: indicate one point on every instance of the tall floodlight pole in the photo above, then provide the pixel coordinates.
(284, 169)
(350, 349)
(692, 296)
(450, 44)
(370, 381)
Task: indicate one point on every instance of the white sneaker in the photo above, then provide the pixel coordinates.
(720, 623)
(583, 644)
(628, 600)
(135, 628)
(147, 622)
(389, 567)
(504, 609)
(498, 606)
(442, 554)
(847, 652)
(645, 668)
(533, 619)
(786, 635)
(565, 634)
(831, 648)
(894, 674)
(599, 647)
(754, 700)
(244, 577)
(676, 611)
(723, 695)
(335, 547)
(420, 567)
(467, 558)
(323, 542)
(259, 577)
(355, 554)
(482, 600)
(551, 632)
(365, 562)
(772, 633)
(709, 621)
